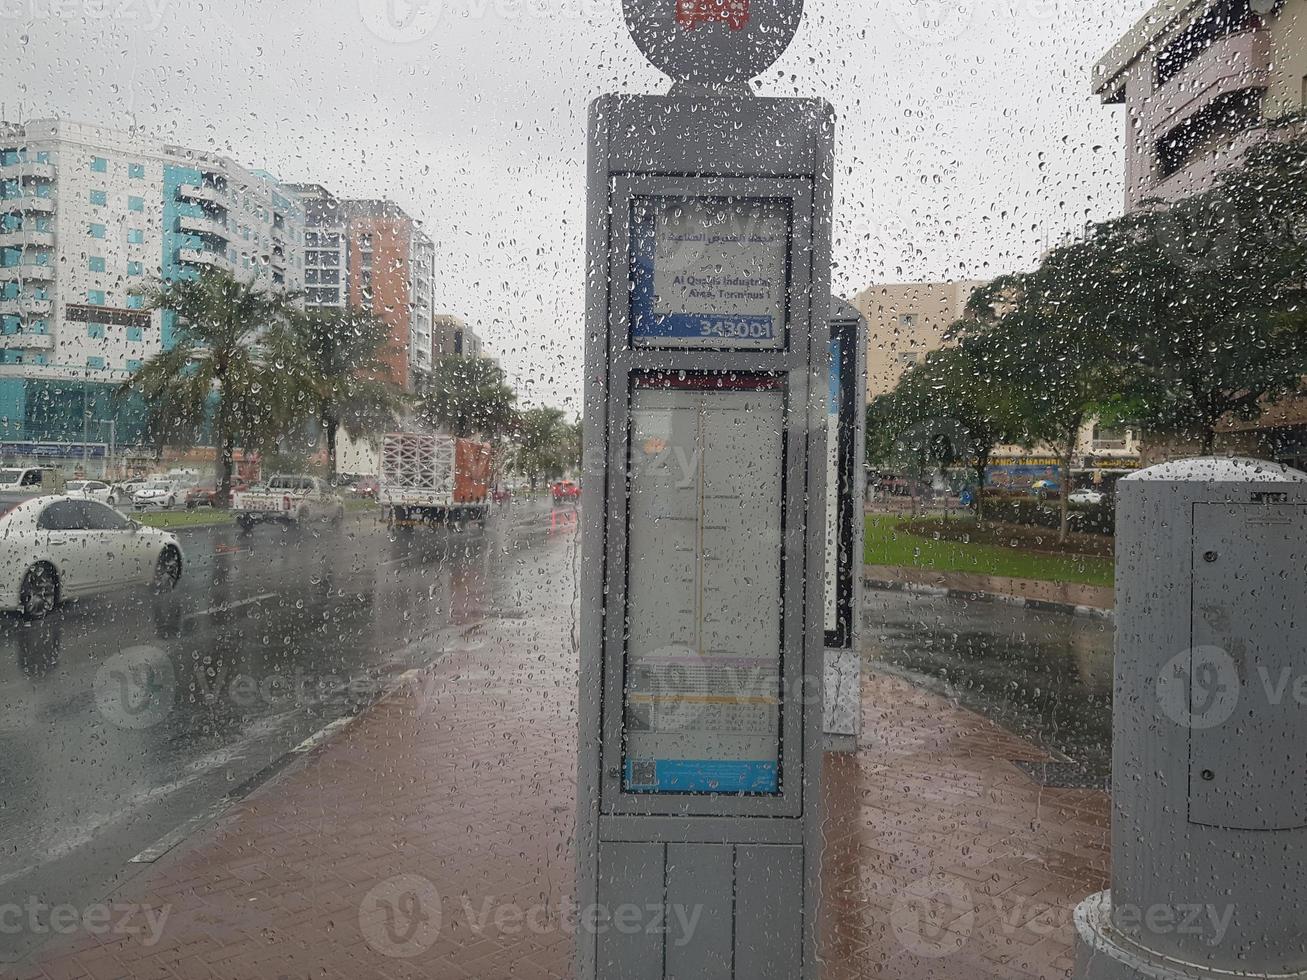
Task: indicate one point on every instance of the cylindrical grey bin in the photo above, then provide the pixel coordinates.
(1209, 760)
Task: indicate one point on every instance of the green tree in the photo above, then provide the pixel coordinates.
(1063, 361)
(947, 411)
(213, 374)
(1209, 295)
(468, 396)
(547, 444)
(328, 362)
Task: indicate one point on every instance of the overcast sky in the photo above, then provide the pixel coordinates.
(969, 137)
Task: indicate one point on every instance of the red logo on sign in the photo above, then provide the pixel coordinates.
(691, 13)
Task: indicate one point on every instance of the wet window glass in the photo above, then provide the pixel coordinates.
(653, 489)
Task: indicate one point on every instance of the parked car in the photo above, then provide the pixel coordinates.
(157, 495)
(288, 499)
(1086, 497)
(124, 492)
(60, 547)
(205, 495)
(565, 490)
(90, 490)
(365, 488)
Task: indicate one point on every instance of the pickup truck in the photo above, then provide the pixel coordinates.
(31, 480)
(288, 499)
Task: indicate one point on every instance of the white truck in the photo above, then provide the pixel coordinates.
(288, 499)
(433, 480)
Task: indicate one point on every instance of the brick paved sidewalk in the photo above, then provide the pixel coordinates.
(943, 859)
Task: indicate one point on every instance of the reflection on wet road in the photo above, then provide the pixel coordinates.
(125, 716)
(1045, 675)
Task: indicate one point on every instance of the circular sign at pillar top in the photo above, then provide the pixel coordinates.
(712, 42)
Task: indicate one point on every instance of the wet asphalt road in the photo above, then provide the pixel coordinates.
(126, 717)
(1045, 675)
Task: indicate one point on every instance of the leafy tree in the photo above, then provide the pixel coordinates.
(1062, 360)
(328, 364)
(1209, 292)
(213, 373)
(468, 396)
(948, 411)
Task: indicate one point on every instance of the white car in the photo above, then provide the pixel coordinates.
(59, 547)
(157, 495)
(90, 490)
(1086, 498)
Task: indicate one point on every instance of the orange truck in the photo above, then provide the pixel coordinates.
(434, 480)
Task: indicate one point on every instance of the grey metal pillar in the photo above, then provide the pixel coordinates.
(1209, 760)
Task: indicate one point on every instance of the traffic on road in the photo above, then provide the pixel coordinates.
(192, 663)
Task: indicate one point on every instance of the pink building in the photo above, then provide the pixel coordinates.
(1198, 79)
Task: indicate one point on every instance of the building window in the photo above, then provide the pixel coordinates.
(136, 268)
(136, 171)
(95, 230)
(95, 363)
(134, 365)
(43, 156)
(135, 236)
(135, 302)
(135, 335)
(95, 297)
(908, 321)
(99, 198)
(135, 204)
(95, 331)
(95, 263)
(99, 165)
(39, 327)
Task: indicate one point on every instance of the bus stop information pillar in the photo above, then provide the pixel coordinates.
(704, 496)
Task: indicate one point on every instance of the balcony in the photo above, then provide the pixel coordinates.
(204, 226)
(26, 239)
(203, 193)
(27, 341)
(203, 257)
(1234, 63)
(36, 273)
(29, 205)
(25, 306)
(27, 171)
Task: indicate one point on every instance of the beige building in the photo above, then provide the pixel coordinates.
(1199, 79)
(452, 337)
(905, 322)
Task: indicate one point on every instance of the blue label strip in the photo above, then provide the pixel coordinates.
(702, 776)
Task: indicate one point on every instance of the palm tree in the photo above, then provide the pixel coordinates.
(327, 362)
(468, 396)
(213, 372)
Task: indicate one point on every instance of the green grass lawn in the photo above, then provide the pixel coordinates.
(888, 545)
(168, 520)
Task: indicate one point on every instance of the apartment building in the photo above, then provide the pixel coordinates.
(371, 254)
(1198, 80)
(89, 217)
(452, 337)
(905, 322)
